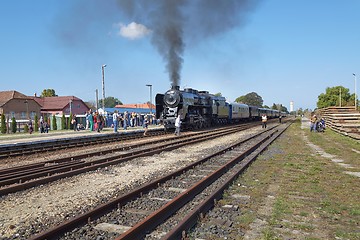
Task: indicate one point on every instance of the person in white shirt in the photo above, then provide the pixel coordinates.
(116, 120)
(177, 125)
(263, 120)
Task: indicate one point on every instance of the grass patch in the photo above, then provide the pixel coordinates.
(311, 197)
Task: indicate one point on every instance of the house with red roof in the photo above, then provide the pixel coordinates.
(61, 105)
(20, 106)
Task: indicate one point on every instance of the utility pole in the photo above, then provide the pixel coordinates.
(355, 92)
(150, 86)
(97, 100)
(103, 86)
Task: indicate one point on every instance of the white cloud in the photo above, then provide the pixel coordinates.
(133, 30)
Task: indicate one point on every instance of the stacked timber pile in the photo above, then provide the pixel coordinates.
(345, 120)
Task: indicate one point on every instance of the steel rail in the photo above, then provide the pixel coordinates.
(191, 219)
(81, 156)
(149, 223)
(28, 148)
(27, 181)
(122, 200)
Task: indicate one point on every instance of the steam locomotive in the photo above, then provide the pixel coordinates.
(200, 109)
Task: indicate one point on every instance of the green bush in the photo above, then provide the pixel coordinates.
(13, 125)
(26, 128)
(3, 124)
(54, 125)
(36, 127)
(69, 122)
(63, 122)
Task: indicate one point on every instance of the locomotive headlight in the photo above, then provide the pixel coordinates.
(172, 98)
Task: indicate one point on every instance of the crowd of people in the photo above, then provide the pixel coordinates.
(96, 121)
(43, 126)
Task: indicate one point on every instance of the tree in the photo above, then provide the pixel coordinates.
(3, 124)
(110, 102)
(91, 104)
(63, 122)
(69, 121)
(48, 93)
(54, 124)
(275, 106)
(13, 125)
(279, 107)
(252, 99)
(332, 97)
(284, 109)
(36, 120)
(218, 94)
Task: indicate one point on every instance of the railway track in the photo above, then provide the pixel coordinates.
(31, 148)
(23, 177)
(168, 206)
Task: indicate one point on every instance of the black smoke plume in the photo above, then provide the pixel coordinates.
(174, 22)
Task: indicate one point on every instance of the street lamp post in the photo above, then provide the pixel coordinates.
(150, 88)
(97, 99)
(103, 86)
(355, 92)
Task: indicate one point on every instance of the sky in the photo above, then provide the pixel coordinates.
(284, 50)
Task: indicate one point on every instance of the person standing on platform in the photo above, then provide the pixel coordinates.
(125, 120)
(74, 122)
(116, 120)
(31, 129)
(146, 125)
(91, 121)
(98, 122)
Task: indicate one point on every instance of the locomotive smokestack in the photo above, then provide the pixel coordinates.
(173, 87)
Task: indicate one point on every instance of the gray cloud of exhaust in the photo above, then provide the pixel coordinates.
(174, 22)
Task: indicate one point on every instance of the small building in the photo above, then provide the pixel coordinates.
(23, 108)
(61, 105)
(64, 105)
(18, 105)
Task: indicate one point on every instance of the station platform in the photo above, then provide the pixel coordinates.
(17, 138)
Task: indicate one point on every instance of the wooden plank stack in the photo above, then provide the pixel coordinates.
(344, 120)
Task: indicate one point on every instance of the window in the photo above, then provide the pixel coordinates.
(32, 115)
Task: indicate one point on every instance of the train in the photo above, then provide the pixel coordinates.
(201, 109)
